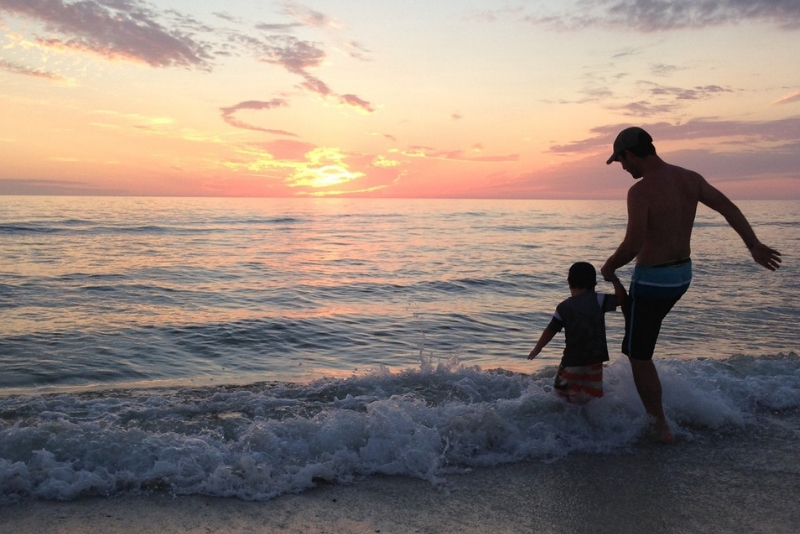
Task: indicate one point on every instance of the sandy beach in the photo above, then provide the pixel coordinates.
(693, 487)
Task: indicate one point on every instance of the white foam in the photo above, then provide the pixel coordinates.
(258, 442)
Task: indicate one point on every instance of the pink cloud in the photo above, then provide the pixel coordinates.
(229, 112)
(315, 85)
(288, 149)
(297, 57)
(356, 102)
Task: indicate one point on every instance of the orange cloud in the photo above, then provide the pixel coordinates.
(793, 97)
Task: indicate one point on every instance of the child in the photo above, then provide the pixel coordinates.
(580, 374)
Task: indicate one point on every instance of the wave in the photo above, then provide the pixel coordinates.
(262, 440)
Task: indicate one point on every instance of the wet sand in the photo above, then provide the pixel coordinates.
(722, 486)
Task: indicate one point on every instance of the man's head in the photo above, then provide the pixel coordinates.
(635, 140)
(582, 275)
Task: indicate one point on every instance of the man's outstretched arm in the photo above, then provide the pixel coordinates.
(717, 201)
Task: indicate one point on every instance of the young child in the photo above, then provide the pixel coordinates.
(580, 374)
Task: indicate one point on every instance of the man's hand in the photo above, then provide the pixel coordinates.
(608, 273)
(766, 256)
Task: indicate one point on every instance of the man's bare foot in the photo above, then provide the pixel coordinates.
(661, 432)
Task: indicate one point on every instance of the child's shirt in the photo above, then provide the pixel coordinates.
(583, 320)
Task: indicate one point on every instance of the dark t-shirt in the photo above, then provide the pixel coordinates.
(583, 320)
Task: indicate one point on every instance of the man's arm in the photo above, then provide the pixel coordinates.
(544, 339)
(634, 236)
(717, 201)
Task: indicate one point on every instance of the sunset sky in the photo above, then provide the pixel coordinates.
(441, 98)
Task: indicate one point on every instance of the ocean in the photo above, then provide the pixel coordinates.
(254, 348)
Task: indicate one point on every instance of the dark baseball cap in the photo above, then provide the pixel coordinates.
(627, 139)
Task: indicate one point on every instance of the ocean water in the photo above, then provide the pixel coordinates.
(254, 347)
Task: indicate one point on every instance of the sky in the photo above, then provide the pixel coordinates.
(365, 98)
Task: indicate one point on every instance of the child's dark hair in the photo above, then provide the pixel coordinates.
(582, 275)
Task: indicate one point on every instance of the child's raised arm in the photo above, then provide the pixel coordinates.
(544, 339)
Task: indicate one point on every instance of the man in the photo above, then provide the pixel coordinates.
(661, 212)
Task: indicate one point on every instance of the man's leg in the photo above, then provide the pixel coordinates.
(648, 385)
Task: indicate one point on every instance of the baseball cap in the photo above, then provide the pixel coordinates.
(627, 139)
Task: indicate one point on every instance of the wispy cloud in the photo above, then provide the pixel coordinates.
(645, 108)
(131, 30)
(27, 71)
(681, 93)
(298, 56)
(115, 30)
(228, 114)
(792, 97)
(661, 69)
(355, 102)
(309, 17)
(417, 151)
(666, 100)
(277, 27)
(356, 50)
(291, 53)
(661, 15)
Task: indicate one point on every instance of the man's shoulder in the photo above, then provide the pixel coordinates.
(666, 177)
(681, 172)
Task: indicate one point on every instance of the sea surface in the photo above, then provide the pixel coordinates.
(256, 347)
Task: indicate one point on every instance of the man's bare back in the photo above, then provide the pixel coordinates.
(668, 198)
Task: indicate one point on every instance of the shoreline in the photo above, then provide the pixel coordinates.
(720, 484)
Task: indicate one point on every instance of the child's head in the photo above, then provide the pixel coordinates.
(582, 275)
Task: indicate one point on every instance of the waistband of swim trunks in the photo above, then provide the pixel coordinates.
(673, 263)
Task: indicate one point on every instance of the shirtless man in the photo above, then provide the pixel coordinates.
(661, 212)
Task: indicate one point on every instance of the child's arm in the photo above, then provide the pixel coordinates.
(619, 292)
(621, 296)
(544, 339)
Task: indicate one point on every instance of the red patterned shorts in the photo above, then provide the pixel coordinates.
(580, 383)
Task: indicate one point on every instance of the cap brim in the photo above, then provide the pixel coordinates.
(612, 159)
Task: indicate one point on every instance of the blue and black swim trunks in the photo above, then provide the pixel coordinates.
(654, 291)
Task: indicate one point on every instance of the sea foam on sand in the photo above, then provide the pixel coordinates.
(717, 484)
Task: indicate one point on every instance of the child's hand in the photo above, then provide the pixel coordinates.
(534, 353)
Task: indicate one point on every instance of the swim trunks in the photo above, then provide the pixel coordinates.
(654, 291)
(580, 383)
